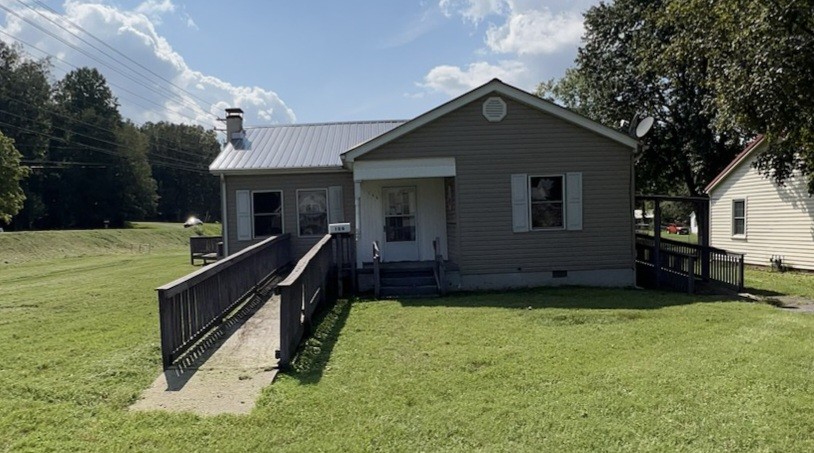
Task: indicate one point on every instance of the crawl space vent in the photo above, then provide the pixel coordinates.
(494, 109)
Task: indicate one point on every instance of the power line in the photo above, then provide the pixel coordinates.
(106, 151)
(94, 58)
(50, 55)
(108, 142)
(95, 126)
(114, 49)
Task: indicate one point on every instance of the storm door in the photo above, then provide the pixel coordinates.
(400, 232)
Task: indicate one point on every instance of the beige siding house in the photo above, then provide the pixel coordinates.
(752, 215)
(518, 191)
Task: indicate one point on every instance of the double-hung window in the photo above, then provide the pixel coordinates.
(547, 207)
(312, 212)
(739, 218)
(267, 212)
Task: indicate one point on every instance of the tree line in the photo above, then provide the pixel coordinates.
(713, 73)
(68, 159)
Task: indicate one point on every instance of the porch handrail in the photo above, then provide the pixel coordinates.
(192, 305)
(439, 267)
(377, 259)
(301, 293)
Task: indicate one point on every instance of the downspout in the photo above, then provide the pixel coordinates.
(224, 215)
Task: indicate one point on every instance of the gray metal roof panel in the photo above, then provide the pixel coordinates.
(296, 146)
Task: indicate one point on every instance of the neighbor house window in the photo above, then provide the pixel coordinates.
(267, 211)
(739, 217)
(312, 212)
(546, 199)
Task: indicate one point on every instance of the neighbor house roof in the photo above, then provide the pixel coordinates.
(494, 86)
(285, 148)
(736, 162)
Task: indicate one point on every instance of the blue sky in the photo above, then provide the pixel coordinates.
(300, 61)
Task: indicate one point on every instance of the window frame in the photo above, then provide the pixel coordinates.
(282, 212)
(562, 202)
(327, 211)
(735, 234)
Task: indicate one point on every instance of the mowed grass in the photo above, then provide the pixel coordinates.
(567, 369)
(143, 237)
(772, 283)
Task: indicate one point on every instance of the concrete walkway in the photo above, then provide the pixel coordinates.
(788, 303)
(227, 376)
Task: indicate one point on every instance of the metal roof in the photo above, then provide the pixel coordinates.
(297, 146)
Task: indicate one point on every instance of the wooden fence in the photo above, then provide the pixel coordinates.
(682, 263)
(304, 290)
(191, 306)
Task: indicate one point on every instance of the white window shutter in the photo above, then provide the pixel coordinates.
(336, 208)
(244, 215)
(573, 194)
(520, 203)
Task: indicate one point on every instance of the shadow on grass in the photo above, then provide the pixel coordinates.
(569, 297)
(314, 353)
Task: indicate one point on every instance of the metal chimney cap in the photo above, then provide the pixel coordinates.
(234, 110)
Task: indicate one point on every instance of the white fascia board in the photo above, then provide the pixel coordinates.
(437, 167)
(495, 86)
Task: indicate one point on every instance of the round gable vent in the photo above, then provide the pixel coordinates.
(494, 109)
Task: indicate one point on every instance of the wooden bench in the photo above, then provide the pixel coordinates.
(205, 248)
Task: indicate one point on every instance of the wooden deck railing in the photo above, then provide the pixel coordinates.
(191, 306)
(709, 264)
(301, 293)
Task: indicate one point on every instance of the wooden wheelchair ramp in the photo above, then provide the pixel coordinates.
(227, 371)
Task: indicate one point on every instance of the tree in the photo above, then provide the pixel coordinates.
(85, 121)
(761, 68)
(139, 195)
(24, 99)
(180, 155)
(11, 172)
(622, 69)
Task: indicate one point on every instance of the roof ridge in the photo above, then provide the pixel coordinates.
(327, 123)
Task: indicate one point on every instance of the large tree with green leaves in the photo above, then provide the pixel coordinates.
(24, 102)
(623, 68)
(760, 56)
(180, 155)
(87, 127)
(11, 172)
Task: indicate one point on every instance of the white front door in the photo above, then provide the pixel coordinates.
(400, 232)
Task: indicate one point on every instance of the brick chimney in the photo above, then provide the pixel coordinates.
(234, 125)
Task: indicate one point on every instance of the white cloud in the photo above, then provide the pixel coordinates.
(535, 32)
(191, 23)
(473, 10)
(195, 98)
(453, 80)
(525, 41)
(154, 7)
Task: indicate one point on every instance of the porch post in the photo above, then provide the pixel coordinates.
(357, 201)
(657, 240)
(703, 236)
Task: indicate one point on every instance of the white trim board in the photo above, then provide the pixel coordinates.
(436, 167)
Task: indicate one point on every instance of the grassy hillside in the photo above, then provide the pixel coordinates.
(144, 237)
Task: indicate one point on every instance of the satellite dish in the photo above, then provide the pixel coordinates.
(644, 126)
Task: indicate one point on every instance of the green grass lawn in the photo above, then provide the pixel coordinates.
(143, 237)
(540, 370)
(793, 283)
